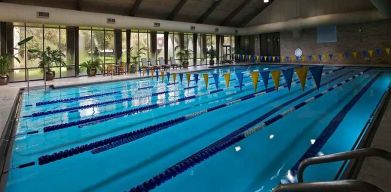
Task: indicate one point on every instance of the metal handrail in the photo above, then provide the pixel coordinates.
(334, 186)
(359, 153)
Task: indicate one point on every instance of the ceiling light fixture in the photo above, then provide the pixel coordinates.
(266, 1)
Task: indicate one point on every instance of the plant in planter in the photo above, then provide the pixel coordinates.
(6, 60)
(92, 66)
(49, 58)
(184, 56)
(212, 55)
(135, 58)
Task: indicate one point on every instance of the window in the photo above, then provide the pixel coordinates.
(160, 45)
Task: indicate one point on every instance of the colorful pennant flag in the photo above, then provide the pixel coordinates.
(162, 75)
(388, 51)
(157, 75)
(255, 77)
(276, 78)
(365, 53)
(378, 52)
(316, 72)
(354, 54)
(181, 77)
(188, 79)
(309, 57)
(216, 78)
(139, 70)
(331, 56)
(347, 55)
(265, 78)
(288, 76)
(340, 56)
(147, 72)
(320, 57)
(206, 79)
(168, 76)
(370, 53)
(196, 77)
(239, 75)
(174, 77)
(302, 74)
(227, 78)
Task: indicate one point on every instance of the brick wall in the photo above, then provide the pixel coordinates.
(349, 38)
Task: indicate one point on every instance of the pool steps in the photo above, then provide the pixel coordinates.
(225, 142)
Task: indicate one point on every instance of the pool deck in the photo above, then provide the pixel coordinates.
(370, 170)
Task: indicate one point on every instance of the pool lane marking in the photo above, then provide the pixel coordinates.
(322, 139)
(86, 147)
(228, 141)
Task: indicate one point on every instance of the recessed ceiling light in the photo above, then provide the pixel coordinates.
(266, 1)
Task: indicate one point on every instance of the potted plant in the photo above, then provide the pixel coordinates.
(212, 55)
(6, 60)
(184, 56)
(135, 58)
(92, 66)
(49, 58)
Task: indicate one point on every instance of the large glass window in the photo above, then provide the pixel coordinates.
(160, 45)
(109, 50)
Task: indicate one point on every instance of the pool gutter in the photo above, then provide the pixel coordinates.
(7, 139)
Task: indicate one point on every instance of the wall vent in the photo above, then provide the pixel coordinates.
(156, 24)
(110, 20)
(192, 28)
(42, 14)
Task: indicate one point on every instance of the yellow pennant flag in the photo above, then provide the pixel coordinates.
(388, 51)
(143, 72)
(276, 78)
(302, 74)
(188, 78)
(370, 52)
(227, 78)
(162, 75)
(265, 58)
(174, 77)
(354, 54)
(282, 58)
(255, 77)
(303, 59)
(325, 56)
(257, 58)
(293, 58)
(273, 58)
(206, 79)
(340, 55)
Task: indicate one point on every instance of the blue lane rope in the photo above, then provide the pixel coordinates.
(87, 147)
(220, 145)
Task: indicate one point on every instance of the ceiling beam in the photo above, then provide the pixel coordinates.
(235, 12)
(208, 11)
(246, 20)
(134, 8)
(176, 10)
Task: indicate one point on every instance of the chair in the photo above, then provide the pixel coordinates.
(154, 64)
(121, 68)
(163, 64)
(174, 64)
(110, 69)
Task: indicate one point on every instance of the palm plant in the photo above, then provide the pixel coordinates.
(183, 55)
(6, 61)
(48, 58)
(212, 55)
(92, 66)
(135, 57)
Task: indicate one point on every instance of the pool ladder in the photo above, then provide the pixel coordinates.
(339, 185)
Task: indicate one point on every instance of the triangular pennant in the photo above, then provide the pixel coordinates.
(139, 70)
(274, 58)
(157, 75)
(206, 79)
(239, 75)
(302, 74)
(174, 77)
(276, 78)
(255, 77)
(324, 57)
(196, 77)
(258, 58)
(354, 54)
(216, 78)
(302, 59)
(320, 57)
(309, 57)
(168, 76)
(365, 53)
(227, 78)
(181, 77)
(188, 79)
(388, 51)
(162, 75)
(265, 58)
(265, 78)
(288, 75)
(347, 55)
(378, 52)
(147, 72)
(287, 58)
(370, 52)
(331, 56)
(340, 56)
(316, 72)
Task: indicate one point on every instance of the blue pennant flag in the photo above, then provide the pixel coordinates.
(181, 77)
(239, 75)
(196, 78)
(147, 72)
(287, 58)
(365, 53)
(278, 58)
(347, 55)
(316, 72)
(265, 78)
(139, 70)
(168, 76)
(378, 52)
(309, 57)
(216, 77)
(157, 75)
(331, 56)
(288, 75)
(320, 57)
(269, 58)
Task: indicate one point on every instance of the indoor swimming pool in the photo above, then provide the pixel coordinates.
(233, 129)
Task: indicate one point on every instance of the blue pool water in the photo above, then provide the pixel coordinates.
(165, 136)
